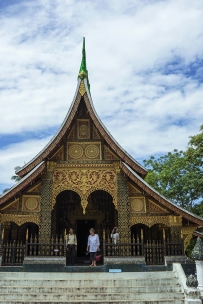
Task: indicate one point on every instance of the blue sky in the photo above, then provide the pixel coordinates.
(145, 62)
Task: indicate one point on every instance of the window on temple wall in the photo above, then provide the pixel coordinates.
(31, 228)
(154, 233)
(13, 232)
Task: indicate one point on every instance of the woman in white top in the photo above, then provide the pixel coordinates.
(115, 235)
(93, 246)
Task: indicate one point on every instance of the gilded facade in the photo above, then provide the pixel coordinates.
(84, 178)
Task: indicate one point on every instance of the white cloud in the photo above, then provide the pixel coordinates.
(129, 47)
(17, 155)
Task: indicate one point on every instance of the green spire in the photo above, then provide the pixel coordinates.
(83, 72)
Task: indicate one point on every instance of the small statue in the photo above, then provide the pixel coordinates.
(192, 281)
(197, 252)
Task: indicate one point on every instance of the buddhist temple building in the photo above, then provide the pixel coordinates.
(83, 178)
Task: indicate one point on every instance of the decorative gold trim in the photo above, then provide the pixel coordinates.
(12, 203)
(85, 123)
(168, 220)
(33, 189)
(31, 203)
(82, 88)
(71, 134)
(132, 189)
(84, 180)
(61, 149)
(157, 209)
(80, 150)
(137, 204)
(95, 133)
(109, 155)
(19, 219)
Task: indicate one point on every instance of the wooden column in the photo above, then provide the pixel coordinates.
(45, 212)
(123, 208)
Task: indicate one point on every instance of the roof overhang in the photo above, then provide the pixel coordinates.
(23, 183)
(159, 197)
(56, 140)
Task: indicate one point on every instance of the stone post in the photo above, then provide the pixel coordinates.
(1, 253)
(45, 212)
(197, 254)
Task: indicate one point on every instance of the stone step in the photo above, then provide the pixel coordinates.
(86, 276)
(86, 283)
(100, 302)
(118, 288)
(91, 297)
(90, 289)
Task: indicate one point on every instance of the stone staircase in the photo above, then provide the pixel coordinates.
(126, 287)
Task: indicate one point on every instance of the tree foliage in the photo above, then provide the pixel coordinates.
(16, 177)
(178, 175)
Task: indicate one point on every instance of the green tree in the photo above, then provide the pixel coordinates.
(195, 148)
(16, 177)
(175, 176)
(5, 190)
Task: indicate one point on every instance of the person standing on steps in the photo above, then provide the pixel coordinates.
(93, 246)
(115, 239)
(115, 235)
(71, 247)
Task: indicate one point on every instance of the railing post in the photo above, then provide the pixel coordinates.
(164, 242)
(1, 242)
(64, 243)
(104, 240)
(142, 243)
(182, 242)
(26, 244)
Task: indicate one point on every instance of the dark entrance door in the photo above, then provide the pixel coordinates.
(83, 227)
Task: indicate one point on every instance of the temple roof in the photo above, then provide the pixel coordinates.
(135, 171)
(83, 72)
(23, 183)
(159, 197)
(57, 138)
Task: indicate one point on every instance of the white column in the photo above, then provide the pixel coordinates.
(199, 268)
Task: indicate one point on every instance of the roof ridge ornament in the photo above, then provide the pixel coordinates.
(83, 72)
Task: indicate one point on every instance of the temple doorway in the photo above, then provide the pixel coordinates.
(65, 212)
(83, 227)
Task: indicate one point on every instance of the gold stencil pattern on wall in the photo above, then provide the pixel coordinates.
(83, 128)
(148, 220)
(85, 181)
(84, 151)
(92, 151)
(19, 219)
(71, 134)
(31, 203)
(75, 151)
(95, 133)
(12, 206)
(58, 155)
(154, 208)
(137, 204)
(133, 189)
(36, 188)
(109, 155)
